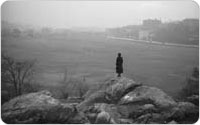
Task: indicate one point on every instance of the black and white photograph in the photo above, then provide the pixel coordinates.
(100, 62)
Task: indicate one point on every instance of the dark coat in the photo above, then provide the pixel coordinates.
(119, 67)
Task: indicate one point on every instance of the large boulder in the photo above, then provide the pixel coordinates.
(40, 107)
(111, 92)
(184, 112)
(113, 115)
(104, 118)
(135, 110)
(122, 86)
(102, 113)
(124, 114)
(148, 95)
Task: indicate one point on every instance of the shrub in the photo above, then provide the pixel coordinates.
(73, 86)
(192, 85)
(64, 93)
(32, 87)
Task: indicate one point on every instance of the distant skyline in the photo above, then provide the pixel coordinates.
(101, 14)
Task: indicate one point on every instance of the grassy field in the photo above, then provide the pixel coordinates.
(93, 57)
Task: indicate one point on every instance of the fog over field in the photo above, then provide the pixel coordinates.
(93, 57)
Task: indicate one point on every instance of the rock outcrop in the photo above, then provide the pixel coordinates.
(118, 101)
(40, 107)
(125, 101)
(112, 91)
(184, 112)
(149, 95)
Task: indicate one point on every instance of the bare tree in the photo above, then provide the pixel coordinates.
(16, 72)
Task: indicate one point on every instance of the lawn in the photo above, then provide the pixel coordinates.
(93, 57)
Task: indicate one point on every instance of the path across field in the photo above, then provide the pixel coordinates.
(154, 42)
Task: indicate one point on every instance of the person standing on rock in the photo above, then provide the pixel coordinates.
(119, 65)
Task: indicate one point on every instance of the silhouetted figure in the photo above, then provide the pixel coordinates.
(119, 67)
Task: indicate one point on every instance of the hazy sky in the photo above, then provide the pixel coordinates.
(66, 14)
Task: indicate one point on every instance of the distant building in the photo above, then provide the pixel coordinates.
(191, 22)
(185, 31)
(151, 23)
(148, 27)
(193, 28)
